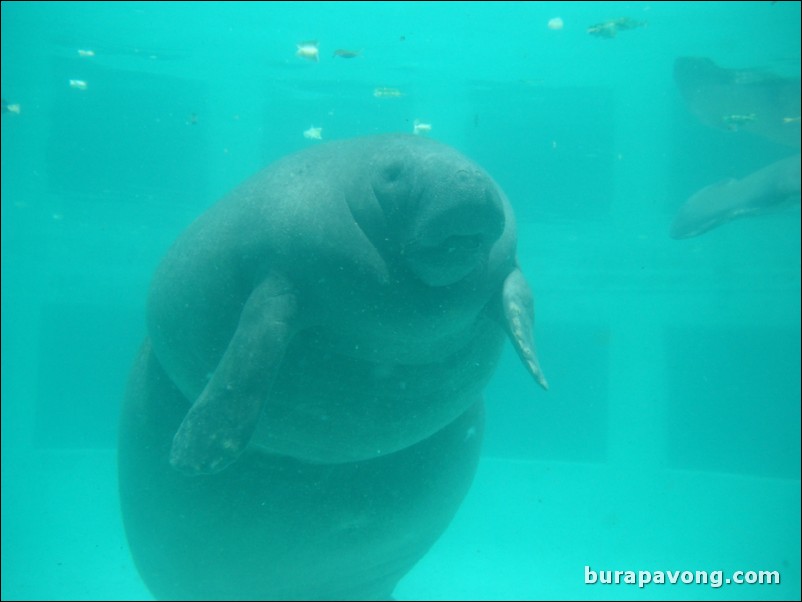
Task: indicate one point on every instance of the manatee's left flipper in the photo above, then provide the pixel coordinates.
(519, 319)
(222, 420)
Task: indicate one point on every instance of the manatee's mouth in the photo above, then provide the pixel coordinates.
(457, 223)
(462, 244)
(449, 260)
(457, 252)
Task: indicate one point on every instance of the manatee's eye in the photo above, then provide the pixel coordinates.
(393, 185)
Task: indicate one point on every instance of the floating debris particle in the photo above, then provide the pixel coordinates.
(418, 127)
(314, 133)
(556, 23)
(387, 93)
(11, 108)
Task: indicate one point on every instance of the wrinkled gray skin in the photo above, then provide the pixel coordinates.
(305, 416)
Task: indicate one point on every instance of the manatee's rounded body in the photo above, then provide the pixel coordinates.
(306, 413)
(272, 527)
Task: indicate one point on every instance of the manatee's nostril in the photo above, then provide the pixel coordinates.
(463, 176)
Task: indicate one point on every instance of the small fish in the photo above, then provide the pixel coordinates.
(11, 108)
(790, 119)
(347, 54)
(308, 50)
(387, 93)
(418, 127)
(624, 23)
(86, 53)
(733, 122)
(608, 29)
(314, 133)
(603, 30)
(78, 84)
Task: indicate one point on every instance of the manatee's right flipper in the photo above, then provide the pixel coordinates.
(519, 319)
(222, 420)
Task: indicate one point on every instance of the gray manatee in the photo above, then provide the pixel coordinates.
(305, 415)
(740, 100)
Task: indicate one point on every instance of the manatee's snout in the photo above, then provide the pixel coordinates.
(459, 221)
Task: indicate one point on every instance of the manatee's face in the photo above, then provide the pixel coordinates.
(444, 212)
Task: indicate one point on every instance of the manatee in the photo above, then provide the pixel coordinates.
(749, 101)
(752, 101)
(305, 415)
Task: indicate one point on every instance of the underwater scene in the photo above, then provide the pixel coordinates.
(401, 300)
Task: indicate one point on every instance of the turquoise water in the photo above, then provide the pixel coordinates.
(670, 438)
